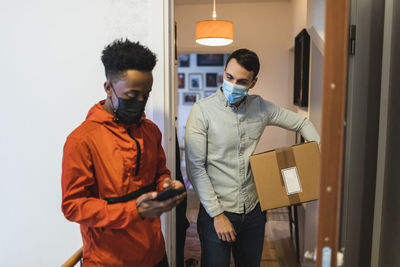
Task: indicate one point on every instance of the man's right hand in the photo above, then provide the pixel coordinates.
(148, 208)
(224, 228)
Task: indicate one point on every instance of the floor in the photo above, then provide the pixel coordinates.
(278, 248)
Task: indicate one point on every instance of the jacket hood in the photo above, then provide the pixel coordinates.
(98, 114)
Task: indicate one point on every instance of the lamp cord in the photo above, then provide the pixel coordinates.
(214, 14)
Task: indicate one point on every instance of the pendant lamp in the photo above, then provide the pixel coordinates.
(214, 32)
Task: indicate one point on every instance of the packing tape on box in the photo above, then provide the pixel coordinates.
(285, 158)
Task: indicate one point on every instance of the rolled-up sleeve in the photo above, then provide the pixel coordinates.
(196, 158)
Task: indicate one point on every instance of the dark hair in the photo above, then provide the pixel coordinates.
(122, 55)
(247, 59)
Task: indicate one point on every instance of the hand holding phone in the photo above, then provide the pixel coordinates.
(169, 192)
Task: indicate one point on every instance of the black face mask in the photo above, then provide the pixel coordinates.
(129, 111)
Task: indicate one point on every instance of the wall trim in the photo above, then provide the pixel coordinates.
(316, 39)
(169, 221)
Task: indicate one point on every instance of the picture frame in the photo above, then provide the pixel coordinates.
(301, 69)
(189, 98)
(181, 80)
(204, 60)
(208, 93)
(183, 60)
(195, 81)
(211, 79)
(220, 79)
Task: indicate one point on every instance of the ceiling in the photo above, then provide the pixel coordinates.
(202, 2)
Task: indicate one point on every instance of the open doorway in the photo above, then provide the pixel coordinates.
(269, 29)
(199, 76)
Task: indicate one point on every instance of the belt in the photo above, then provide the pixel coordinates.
(132, 195)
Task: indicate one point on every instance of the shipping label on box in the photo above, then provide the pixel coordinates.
(287, 176)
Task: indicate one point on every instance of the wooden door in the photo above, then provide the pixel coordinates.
(334, 100)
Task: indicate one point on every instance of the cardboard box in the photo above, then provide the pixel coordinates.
(287, 176)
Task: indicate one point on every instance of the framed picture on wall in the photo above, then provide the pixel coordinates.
(210, 60)
(220, 79)
(184, 60)
(301, 68)
(208, 93)
(211, 79)
(195, 81)
(181, 80)
(190, 98)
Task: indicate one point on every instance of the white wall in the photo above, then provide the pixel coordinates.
(316, 79)
(315, 115)
(265, 28)
(51, 75)
(316, 16)
(310, 14)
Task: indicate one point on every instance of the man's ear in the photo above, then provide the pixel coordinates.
(107, 88)
(253, 82)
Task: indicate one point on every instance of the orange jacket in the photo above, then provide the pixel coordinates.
(100, 161)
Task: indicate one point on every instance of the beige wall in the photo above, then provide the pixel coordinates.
(300, 17)
(299, 11)
(265, 28)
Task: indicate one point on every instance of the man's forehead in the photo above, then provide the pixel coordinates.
(133, 76)
(238, 71)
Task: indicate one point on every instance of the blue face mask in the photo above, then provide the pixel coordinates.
(233, 92)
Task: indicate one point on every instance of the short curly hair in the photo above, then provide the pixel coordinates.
(247, 59)
(122, 55)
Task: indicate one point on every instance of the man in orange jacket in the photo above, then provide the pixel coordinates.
(114, 165)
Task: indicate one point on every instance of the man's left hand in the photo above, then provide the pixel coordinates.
(150, 208)
(168, 182)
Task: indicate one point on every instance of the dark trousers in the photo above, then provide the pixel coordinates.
(247, 248)
(182, 223)
(163, 262)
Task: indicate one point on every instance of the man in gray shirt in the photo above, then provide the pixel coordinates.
(221, 133)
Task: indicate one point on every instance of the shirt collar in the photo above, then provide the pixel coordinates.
(222, 99)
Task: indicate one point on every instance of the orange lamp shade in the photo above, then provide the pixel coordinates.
(214, 32)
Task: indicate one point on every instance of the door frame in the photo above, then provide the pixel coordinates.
(169, 218)
(333, 123)
(333, 114)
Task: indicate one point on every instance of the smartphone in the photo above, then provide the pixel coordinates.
(169, 192)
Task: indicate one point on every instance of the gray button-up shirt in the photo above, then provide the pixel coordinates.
(219, 140)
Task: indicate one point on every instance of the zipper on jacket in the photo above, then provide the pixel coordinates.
(138, 152)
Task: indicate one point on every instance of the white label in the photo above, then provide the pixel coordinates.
(292, 181)
(326, 257)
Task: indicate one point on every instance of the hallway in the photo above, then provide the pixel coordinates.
(278, 249)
